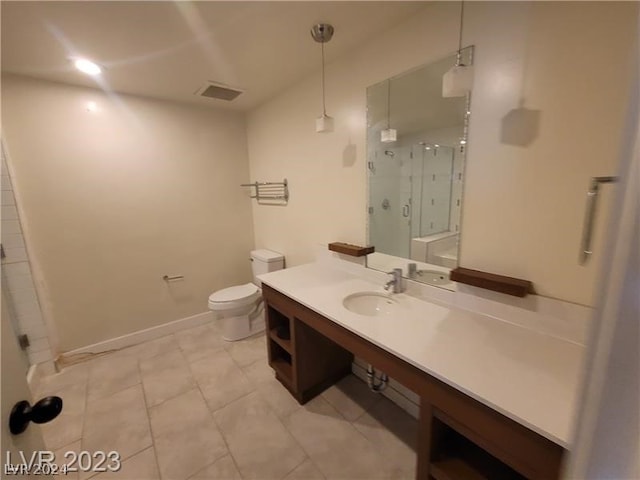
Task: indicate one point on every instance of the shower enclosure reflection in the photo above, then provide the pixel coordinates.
(414, 197)
(415, 182)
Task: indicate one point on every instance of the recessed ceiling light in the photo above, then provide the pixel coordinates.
(87, 66)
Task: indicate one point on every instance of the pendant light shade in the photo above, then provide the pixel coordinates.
(324, 124)
(458, 80)
(388, 135)
(322, 33)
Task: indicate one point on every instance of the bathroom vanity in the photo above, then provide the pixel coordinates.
(496, 399)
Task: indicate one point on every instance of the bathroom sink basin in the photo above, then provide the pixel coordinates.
(371, 304)
(434, 277)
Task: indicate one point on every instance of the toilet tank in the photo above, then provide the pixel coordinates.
(265, 261)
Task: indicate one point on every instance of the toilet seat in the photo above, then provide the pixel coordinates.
(234, 297)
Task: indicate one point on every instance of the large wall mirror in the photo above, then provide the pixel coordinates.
(416, 179)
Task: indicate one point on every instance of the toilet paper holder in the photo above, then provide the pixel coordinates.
(172, 278)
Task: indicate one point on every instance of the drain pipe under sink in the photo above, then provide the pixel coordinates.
(376, 385)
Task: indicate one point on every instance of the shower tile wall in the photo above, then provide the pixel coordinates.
(436, 191)
(16, 275)
(425, 183)
(456, 189)
(390, 180)
(417, 166)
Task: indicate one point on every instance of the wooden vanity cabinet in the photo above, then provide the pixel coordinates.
(467, 436)
(307, 362)
(459, 438)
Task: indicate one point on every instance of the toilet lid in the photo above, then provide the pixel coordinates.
(233, 294)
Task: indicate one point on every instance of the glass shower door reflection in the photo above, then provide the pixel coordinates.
(390, 204)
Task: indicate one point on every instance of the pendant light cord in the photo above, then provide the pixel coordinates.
(324, 108)
(388, 104)
(459, 56)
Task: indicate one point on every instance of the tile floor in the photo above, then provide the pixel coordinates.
(192, 406)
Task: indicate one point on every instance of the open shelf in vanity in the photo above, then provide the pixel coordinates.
(454, 456)
(280, 349)
(304, 361)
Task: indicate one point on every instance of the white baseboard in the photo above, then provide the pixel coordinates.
(142, 335)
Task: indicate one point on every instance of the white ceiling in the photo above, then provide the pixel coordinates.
(169, 49)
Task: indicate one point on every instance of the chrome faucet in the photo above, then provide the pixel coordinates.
(396, 281)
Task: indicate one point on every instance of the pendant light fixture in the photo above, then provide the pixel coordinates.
(458, 80)
(388, 135)
(322, 33)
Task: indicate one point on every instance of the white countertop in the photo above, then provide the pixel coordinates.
(528, 376)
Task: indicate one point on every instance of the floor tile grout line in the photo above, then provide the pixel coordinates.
(41, 391)
(254, 390)
(299, 444)
(166, 399)
(253, 338)
(86, 408)
(381, 426)
(364, 410)
(359, 433)
(58, 390)
(182, 349)
(129, 457)
(253, 387)
(291, 435)
(205, 355)
(306, 457)
(173, 396)
(205, 398)
(110, 394)
(211, 414)
(244, 375)
(209, 465)
(228, 452)
(163, 352)
(146, 405)
(124, 459)
(270, 410)
(226, 444)
(368, 410)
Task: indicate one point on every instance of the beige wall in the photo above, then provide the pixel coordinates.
(326, 171)
(523, 206)
(115, 199)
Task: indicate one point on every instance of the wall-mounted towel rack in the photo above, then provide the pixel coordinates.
(270, 193)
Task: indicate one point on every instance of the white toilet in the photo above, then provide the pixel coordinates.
(241, 306)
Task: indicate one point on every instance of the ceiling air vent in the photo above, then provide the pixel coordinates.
(218, 91)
